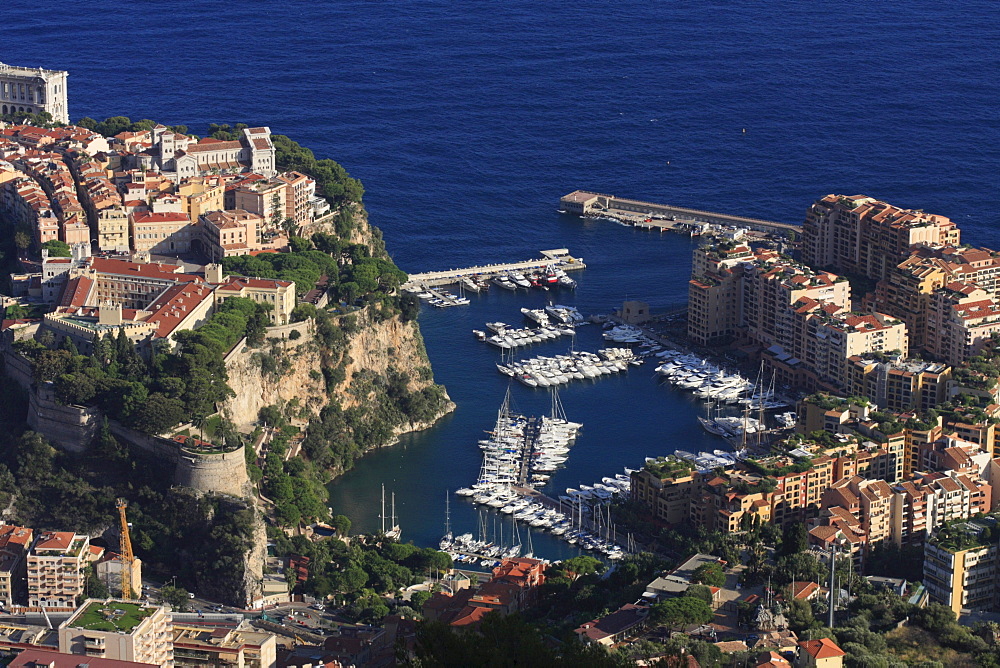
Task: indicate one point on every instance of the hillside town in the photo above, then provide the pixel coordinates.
(867, 530)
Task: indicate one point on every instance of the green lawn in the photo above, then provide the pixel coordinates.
(111, 617)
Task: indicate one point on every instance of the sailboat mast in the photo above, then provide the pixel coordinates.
(382, 514)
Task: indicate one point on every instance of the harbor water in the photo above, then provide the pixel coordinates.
(627, 417)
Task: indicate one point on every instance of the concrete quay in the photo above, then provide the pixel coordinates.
(665, 216)
(557, 256)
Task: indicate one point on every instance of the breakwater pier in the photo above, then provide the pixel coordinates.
(661, 216)
(558, 256)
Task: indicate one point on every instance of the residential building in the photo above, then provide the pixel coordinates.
(963, 318)
(279, 294)
(201, 646)
(34, 90)
(898, 384)
(229, 233)
(667, 493)
(960, 569)
(865, 236)
(822, 653)
(268, 198)
(299, 196)
(715, 293)
(109, 567)
(14, 544)
(119, 630)
(163, 233)
(113, 230)
(614, 627)
(56, 566)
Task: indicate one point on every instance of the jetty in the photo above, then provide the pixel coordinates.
(559, 257)
(661, 216)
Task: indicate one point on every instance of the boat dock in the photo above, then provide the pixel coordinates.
(557, 256)
(661, 216)
(535, 496)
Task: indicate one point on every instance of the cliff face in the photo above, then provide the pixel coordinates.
(373, 346)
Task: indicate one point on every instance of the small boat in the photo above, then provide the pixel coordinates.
(470, 285)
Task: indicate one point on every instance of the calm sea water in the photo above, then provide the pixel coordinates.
(466, 123)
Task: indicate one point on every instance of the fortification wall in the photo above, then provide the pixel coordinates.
(70, 427)
(18, 369)
(224, 473)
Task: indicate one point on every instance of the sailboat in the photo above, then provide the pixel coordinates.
(447, 539)
(394, 532)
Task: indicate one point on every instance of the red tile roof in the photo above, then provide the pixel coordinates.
(824, 648)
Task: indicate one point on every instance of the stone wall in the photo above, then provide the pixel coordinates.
(70, 427)
(224, 473)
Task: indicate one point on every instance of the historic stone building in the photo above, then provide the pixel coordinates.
(33, 90)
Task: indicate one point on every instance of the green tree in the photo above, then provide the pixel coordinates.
(177, 597)
(709, 574)
(580, 566)
(679, 613)
(22, 240)
(702, 592)
(158, 414)
(57, 248)
(795, 538)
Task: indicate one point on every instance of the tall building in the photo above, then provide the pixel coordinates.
(119, 630)
(33, 89)
(56, 569)
(14, 544)
(960, 571)
(862, 235)
(898, 385)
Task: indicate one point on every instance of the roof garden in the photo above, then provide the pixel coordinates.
(669, 467)
(113, 616)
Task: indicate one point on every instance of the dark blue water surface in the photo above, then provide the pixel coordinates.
(467, 122)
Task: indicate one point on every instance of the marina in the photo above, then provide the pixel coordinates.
(552, 261)
(519, 457)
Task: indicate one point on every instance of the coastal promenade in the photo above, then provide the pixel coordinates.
(556, 256)
(661, 216)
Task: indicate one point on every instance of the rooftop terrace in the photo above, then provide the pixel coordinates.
(113, 616)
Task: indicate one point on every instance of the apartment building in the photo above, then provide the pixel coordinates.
(668, 495)
(299, 196)
(960, 571)
(14, 544)
(113, 230)
(229, 233)
(898, 384)
(279, 294)
(268, 198)
(56, 569)
(859, 234)
(201, 646)
(963, 317)
(167, 233)
(119, 630)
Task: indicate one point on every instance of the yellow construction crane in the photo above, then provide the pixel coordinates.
(125, 550)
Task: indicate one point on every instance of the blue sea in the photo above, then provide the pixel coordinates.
(466, 123)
